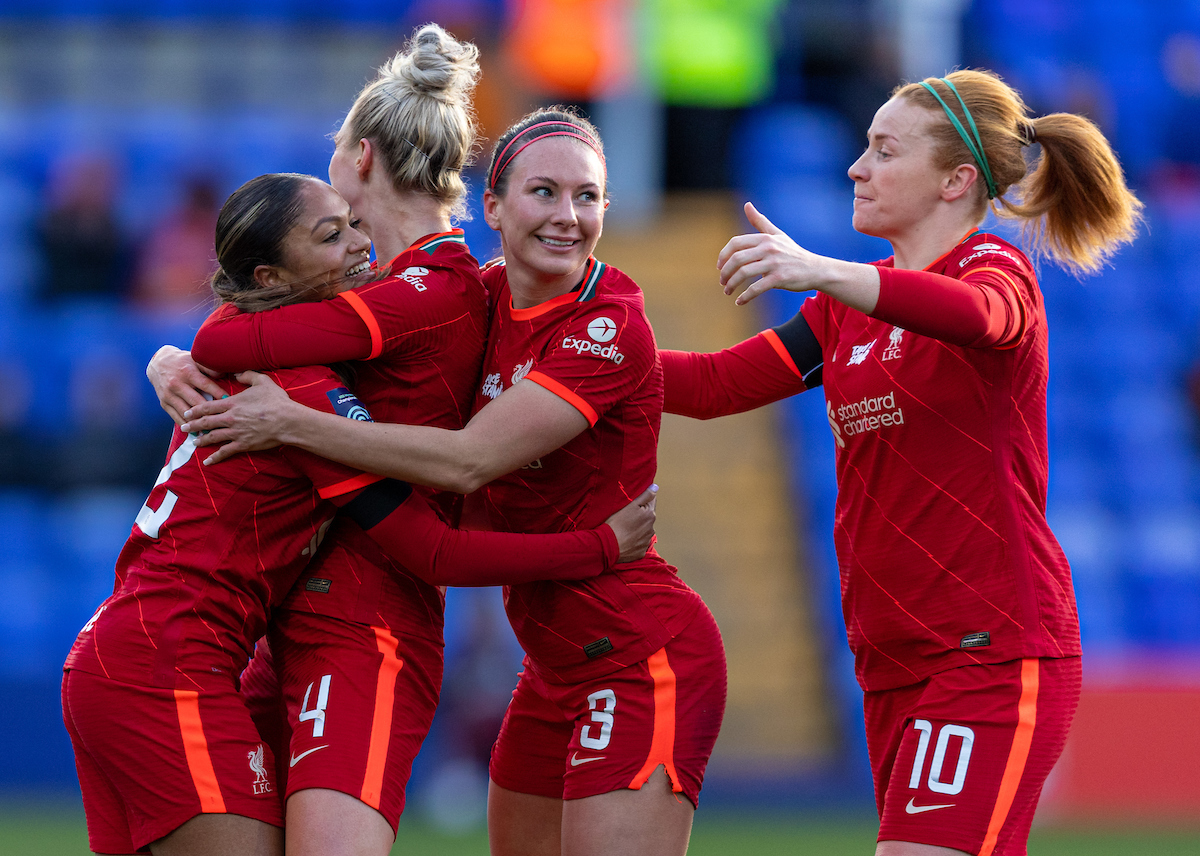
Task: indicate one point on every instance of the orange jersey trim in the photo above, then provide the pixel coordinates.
(929, 267)
(565, 394)
(542, 308)
(777, 344)
(662, 744)
(195, 750)
(381, 722)
(359, 481)
(1017, 755)
(368, 318)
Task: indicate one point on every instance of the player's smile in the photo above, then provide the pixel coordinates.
(325, 250)
(550, 216)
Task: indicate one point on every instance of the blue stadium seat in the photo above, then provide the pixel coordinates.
(1161, 609)
(790, 140)
(1090, 536)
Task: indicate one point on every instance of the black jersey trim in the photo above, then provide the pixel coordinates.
(802, 345)
(376, 502)
(587, 286)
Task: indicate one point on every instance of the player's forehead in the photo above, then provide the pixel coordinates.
(563, 159)
(899, 120)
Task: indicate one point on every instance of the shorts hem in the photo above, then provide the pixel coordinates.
(162, 829)
(393, 822)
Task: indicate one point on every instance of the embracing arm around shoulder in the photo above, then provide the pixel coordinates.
(525, 422)
(408, 528)
(302, 334)
(180, 382)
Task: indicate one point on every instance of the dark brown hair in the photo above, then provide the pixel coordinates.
(251, 230)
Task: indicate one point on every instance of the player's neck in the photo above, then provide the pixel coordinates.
(926, 242)
(530, 287)
(400, 219)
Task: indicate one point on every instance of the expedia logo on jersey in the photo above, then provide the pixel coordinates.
(869, 414)
(345, 403)
(981, 250)
(414, 275)
(601, 331)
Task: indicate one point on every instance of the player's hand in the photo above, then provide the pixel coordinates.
(752, 264)
(180, 382)
(634, 525)
(251, 420)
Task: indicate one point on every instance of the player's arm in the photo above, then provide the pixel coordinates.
(773, 365)
(404, 524)
(179, 382)
(984, 309)
(525, 422)
(301, 334)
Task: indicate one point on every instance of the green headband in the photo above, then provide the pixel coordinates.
(975, 146)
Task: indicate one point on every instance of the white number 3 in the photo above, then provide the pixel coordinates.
(602, 704)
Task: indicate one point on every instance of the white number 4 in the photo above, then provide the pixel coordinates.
(317, 714)
(602, 704)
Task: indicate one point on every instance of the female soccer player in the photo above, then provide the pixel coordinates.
(623, 690)
(167, 754)
(416, 338)
(957, 597)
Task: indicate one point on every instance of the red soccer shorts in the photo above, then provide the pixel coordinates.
(359, 703)
(263, 698)
(578, 740)
(150, 759)
(959, 759)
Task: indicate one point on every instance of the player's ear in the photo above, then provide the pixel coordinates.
(957, 182)
(268, 276)
(491, 204)
(366, 157)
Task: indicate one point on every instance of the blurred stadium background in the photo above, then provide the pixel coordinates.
(122, 125)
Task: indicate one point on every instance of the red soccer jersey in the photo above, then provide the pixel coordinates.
(417, 337)
(945, 555)
(595, 349)
(212, 551)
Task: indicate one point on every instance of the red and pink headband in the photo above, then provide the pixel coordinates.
(505, 158)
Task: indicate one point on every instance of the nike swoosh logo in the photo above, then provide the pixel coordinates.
(296, 758)
(917, 809)
(576, 760)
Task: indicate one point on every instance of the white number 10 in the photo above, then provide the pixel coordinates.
(939, 757)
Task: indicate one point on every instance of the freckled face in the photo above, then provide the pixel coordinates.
(896, 184)
(325, 251)
(552, 212)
